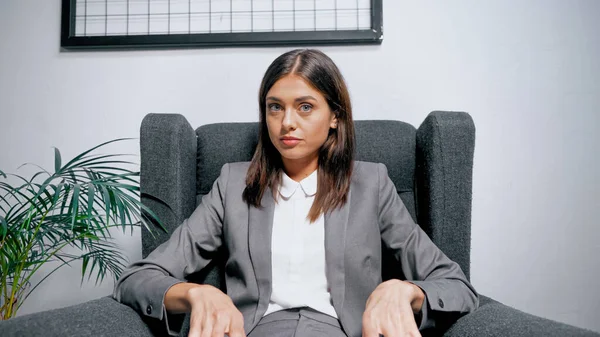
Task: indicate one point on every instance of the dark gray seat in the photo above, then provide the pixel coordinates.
(431, 167)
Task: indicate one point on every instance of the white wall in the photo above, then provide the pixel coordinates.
(527, 71)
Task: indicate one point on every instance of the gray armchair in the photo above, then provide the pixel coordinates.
(431, 167)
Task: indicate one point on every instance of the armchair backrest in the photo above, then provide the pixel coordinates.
(431, 168)
(388, 142)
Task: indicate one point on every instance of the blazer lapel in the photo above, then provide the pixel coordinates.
(335, 244)
(260, 223)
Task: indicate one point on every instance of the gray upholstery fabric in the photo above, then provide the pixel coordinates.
(167, 172)
(105, 317)
(494, 319)
(393, 144)
(388, 142)
(444, 156)
(222, 143)
(101, 317)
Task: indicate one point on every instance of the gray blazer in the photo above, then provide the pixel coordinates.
(354, 234)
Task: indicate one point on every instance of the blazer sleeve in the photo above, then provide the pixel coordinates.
(446, 287)
(143, 284)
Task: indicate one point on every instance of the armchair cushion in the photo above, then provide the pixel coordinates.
(494, 319)
(106, 317)
(100, 317)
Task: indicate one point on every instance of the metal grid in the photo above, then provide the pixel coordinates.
(163, 17)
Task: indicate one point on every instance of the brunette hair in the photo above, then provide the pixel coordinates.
(336, 155)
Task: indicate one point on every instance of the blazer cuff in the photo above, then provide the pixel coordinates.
(173, 322)
(426, 314)
(155, 305)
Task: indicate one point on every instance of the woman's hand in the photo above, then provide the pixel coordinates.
(213, 314)
(390, 310)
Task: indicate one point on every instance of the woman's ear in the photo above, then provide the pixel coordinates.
(334, 122)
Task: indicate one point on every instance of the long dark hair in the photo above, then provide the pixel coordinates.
(337, 153)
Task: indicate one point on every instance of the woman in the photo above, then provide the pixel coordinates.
(302, 225)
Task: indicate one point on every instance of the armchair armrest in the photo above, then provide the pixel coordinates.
(493, 319)
(101, 317)
(444, 175)
(168, 151)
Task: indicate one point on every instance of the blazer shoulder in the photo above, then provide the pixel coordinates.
(367, 165)
(236, 174)
(367, 175)
(238, 168)
(368, 171)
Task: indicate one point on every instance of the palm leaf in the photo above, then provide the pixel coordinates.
(76, 205)
(96, 161)
(77, 158)
(32, 164)
(3, 227)
(57, 160)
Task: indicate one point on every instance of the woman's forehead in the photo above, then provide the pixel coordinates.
(292, 87)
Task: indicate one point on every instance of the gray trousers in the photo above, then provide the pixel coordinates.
(298, 322)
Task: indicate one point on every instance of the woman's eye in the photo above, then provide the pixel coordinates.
(305, 107)
(274, 107)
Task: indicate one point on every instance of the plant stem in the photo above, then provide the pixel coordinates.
(16, 285)
(55, 269)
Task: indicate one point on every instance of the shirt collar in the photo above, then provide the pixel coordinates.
(289, 186)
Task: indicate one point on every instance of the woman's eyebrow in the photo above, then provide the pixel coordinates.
(299, 99)
(305, 98)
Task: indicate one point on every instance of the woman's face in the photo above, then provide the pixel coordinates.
(298, 119)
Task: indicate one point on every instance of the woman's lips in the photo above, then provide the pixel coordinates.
(290, 141)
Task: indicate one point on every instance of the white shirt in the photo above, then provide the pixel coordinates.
(298, 250)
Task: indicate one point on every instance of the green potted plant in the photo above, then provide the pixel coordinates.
(76, 206)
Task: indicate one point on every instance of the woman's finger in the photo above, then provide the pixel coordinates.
(207, 327)
(409, 326)
(369, 325)
(221, 323)
(195, 325)
(236, 326)
(390, 328)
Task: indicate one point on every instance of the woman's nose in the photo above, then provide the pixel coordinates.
(289, 120)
